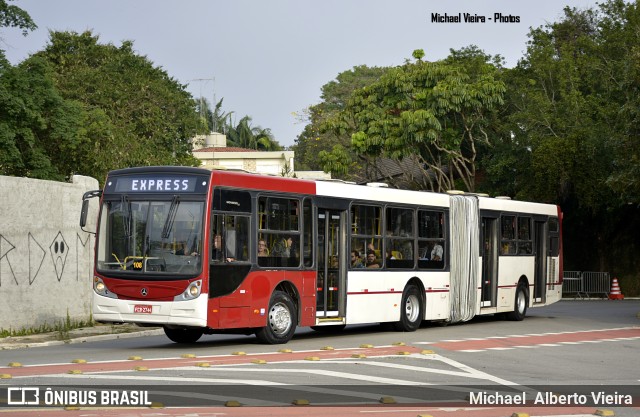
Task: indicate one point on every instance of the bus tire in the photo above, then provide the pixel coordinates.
(521, 303)
(281, 320)
(411, 310)
(183, 334)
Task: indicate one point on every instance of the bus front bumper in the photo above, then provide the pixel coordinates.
(176, 313)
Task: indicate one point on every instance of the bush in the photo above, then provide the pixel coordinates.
(629, 285)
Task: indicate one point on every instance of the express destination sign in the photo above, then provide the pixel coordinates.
(148, 183)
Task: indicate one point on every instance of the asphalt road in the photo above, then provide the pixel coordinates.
(571, 348)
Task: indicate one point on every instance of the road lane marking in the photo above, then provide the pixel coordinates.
(533, 340)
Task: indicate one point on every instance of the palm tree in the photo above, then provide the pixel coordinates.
(245, 136)
(265, 140)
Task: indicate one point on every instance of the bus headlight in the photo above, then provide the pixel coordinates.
(193, 291)
(101, 289)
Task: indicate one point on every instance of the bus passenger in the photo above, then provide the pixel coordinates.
(356, 262)
(371, 260)
(284, 247)
(437, 252)
(262, 248)
(183, 248)
(218, 252)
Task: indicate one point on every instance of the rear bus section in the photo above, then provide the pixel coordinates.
(520, 256)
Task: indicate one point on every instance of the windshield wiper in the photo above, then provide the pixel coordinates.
(126, 207)
(168, 224)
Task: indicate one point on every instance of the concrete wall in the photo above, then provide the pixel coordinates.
(46, 260)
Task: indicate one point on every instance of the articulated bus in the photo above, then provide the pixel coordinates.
(202, 252)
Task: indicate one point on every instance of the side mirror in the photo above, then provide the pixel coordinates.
(85, 207)
(83, 213)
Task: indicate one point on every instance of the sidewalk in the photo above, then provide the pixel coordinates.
(85, 334)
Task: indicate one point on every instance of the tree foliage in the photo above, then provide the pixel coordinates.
(570, 131)
(40, 132)
(13, 16)
(316, 139)
(561, 127)
(433, 111)
(83, 107)
(558, 114)
(242, 135)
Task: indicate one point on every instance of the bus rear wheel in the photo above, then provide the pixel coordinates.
(281, 321)
(183, 334)
(410, 310)
(521, 303)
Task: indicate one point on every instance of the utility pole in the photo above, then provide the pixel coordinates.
(203, 82)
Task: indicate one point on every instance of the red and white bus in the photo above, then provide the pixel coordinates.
(201, 252)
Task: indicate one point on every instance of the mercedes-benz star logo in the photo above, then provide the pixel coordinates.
(144, 292)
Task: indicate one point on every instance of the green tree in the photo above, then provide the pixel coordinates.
(558, 114)
(40, 131)
(135, 113)
(619, 74)
(243, 135)
(14, 17)
(571, 129)
(315, 138)
(433, 111)
(214, 120)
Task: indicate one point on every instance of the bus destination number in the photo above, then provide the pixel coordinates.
(142, 308)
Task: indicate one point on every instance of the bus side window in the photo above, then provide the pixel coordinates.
(525, 246)
(399, 247)
(307, 237)
(279, 223)
(366, 229)
(554, 237)
(508, 244)
(431, 242)
(230, 235)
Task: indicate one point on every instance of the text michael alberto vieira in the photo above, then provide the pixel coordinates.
(473, 18)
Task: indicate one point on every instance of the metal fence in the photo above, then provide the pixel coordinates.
(582, 284)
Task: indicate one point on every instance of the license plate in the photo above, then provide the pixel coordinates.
(140, 308)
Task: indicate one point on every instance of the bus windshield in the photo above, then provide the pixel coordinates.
(151, 237)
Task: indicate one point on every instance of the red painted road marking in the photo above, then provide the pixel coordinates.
(536, 340)
(212, 360)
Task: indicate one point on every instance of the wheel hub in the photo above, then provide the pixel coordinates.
(280, 319)
(412, 308)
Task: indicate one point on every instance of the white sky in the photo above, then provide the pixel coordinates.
(269, 58)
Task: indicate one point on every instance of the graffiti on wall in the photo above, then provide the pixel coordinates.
(58, 251)
(5, 248)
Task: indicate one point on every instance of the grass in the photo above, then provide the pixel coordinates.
(61, 327)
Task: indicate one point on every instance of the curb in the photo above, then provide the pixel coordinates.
(81, 339)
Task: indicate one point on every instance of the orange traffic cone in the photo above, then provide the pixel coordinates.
(615, 293)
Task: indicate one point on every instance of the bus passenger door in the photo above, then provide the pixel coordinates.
(540, 247)
(332, 262)
(489, 262)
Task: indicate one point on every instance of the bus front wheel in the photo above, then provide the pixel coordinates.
(183, 334)
(281, 320)
(410, 310)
